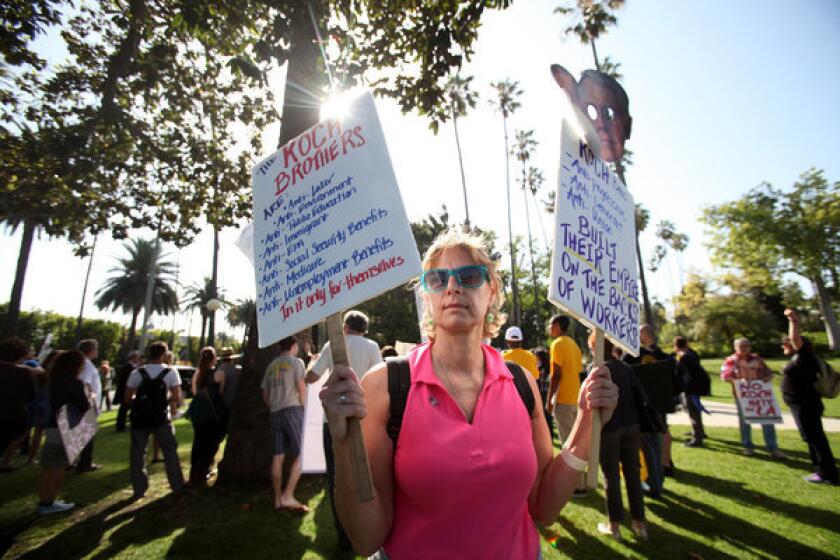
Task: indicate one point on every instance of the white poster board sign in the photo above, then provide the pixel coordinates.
(593, 266)
(757, 401)
(330, 228)
(76, 438)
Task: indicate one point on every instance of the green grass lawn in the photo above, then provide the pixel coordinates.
(721, 505)
(722, 391)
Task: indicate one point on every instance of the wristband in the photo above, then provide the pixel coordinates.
(574, 462)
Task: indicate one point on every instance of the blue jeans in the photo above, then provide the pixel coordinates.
(746, 432)
(652, 450)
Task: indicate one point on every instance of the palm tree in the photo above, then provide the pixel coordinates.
(459, 97)
(522, 150)
(125, 290)
(196, 297)
(240, 314)
(506, 103)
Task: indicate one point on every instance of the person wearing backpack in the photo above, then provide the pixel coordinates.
(805, 403)
(473, 470)
(153, 393)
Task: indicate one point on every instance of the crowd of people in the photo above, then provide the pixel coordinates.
(444, 427)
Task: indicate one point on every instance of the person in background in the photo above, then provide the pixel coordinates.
(133, 361)
(93, 385)
(17, 390)
(105, 380)
(389, 352)
(620, 442)
(515, 353)
(363, 354)
(442, 492)
(698, 385)
(284, 393)
(563, 389)
(208, 416)
(231, 372)
(743, 364)
(799, 393)
(544, 366)
(656, 446)
(65, 388)
(39, 409)
(154, 419)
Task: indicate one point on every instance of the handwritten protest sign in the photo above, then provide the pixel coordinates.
(593, 268)
(76, 438)
(330, 228)
(757, 401)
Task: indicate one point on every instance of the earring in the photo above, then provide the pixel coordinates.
(489, 318)
(430, 324)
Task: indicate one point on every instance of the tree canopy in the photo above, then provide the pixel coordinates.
(769, 232)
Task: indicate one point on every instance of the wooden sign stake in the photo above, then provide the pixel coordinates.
(358, 453)
(595, 441)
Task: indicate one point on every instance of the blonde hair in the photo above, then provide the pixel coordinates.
(458, 237)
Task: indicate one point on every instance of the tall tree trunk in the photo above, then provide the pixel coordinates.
(461, 164)
(537, 306)
(203, 329)
(214, 289)
(13, 313)
(514, 287)
(84, 293)
(132, 329)
(248, 451)
(832, 330)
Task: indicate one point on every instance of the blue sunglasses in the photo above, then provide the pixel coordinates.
(472, 276)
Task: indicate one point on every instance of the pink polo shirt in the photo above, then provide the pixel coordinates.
(460, 489)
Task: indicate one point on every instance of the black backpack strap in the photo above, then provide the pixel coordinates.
(522, 386)
(144, 374)
(399, 383)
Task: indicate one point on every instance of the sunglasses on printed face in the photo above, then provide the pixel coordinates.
(436, 279)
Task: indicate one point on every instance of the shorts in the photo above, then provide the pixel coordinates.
(287, 430)
(53, 454)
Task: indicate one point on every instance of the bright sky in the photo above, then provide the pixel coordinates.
(724, 95)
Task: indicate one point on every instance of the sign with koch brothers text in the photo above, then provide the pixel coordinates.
(330, 228)
(593, 268)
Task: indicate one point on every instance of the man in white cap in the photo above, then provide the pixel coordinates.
(517, 354)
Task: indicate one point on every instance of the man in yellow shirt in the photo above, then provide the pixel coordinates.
(566, 365)
(517, 354)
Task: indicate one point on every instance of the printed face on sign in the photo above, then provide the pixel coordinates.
(604, 102)
(461, 304)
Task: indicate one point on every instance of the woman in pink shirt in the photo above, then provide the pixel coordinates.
(471, 472)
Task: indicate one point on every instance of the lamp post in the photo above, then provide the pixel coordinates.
(212, 306)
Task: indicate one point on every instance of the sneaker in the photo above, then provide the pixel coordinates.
(640, 530)
(606, 529)
(645, 486)
(694, 443)
(815, 478)
(747, 452)
(579, 493)
(56, 507)
(778, 454)
(90, 468)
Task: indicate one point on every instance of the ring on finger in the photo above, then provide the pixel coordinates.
(343, 398)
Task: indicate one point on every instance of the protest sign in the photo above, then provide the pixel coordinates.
(593, 267)
(757, 401)
(330, 228)
(76, 438)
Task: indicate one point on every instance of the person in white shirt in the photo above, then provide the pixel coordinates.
(93, 386)
(154, 418)
(363, 355)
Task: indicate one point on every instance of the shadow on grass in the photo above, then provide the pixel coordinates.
(796, 459)
(740, 533)
(809, 515)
